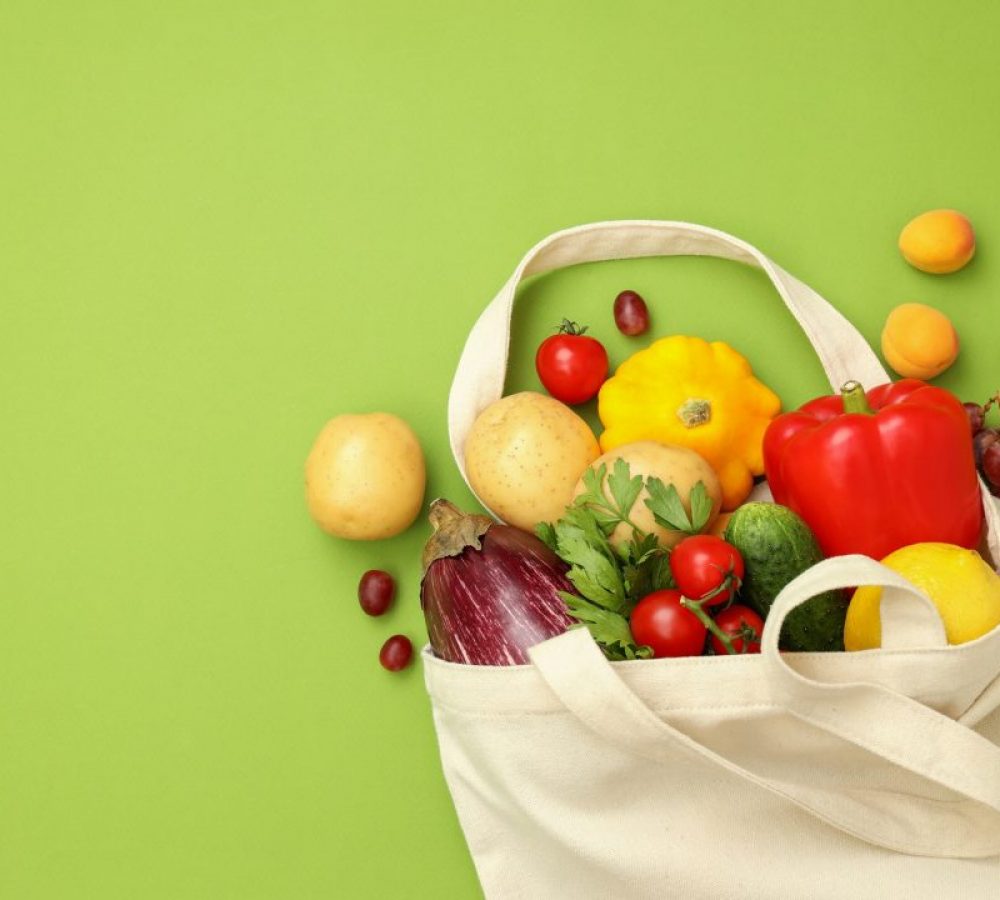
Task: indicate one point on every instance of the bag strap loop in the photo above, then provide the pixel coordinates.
(939, 751)
(482, 368)
(479, 379)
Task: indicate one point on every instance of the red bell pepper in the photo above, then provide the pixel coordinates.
(872, 473)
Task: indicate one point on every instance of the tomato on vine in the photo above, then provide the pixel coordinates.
(661, 621)
(572, 366)
(707, 568)
(743, 627)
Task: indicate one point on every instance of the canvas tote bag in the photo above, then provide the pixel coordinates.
(805, 775)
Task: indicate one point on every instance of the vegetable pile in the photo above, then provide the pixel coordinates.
(645, 534)
(641, 600)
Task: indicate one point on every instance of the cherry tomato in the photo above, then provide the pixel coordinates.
(705, 564)
(571, 365)
(659, 621)
(737, 621)
(396, 653)
(376, 591)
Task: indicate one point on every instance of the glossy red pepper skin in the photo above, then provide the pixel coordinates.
(874, 482)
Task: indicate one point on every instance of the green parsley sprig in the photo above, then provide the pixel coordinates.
(610, 582)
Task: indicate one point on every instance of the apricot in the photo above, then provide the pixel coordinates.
(918, 341)
(939, 241)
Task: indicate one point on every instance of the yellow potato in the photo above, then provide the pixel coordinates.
(673, 465)
(365, 477)
(523, 456)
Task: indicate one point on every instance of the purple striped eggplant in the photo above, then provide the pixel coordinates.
(489, 591)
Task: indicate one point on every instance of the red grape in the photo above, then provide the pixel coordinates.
(976, 416)
(991, 464)
(396, 653)
(631, 313)
(376, 591)
(985, 438)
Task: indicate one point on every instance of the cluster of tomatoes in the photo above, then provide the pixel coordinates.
(680, 621)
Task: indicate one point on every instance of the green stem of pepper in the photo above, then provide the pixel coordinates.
(855, 400)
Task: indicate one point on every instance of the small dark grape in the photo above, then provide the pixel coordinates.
(976, 416)
(991, 464)
(396, 653)
(983, 439)
(631, 313)
(376, 591)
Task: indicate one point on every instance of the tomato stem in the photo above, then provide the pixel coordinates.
(709, 623)
(748, 634)
(855, 400)
(571, 328)
(731, 582)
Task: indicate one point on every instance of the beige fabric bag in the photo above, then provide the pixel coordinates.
(808, 775)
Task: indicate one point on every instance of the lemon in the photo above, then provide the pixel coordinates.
(965, 590)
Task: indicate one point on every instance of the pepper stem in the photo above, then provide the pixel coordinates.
(855, 400)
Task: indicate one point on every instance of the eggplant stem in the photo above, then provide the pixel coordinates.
(442, 512)
(454, 530)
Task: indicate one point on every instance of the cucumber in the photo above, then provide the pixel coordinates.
(777, 546)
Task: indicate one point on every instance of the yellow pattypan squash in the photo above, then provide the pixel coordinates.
(686, 391)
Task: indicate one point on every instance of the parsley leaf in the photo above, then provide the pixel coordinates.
(651, 573)
(592, 525)
(665, 504)
(667, 508)
(701, 506)
(547, 534)
(639, 549)
(592, 572)
(624, 489)
(610, 580)
(659, 574)
(593, 483)
(609, 629)
(628, 651)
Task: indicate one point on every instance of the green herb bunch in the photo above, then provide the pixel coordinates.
(611, 581)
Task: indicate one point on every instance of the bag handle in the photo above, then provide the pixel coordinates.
(991, 507)
(882, 721)
(482, 369)
(892, 726)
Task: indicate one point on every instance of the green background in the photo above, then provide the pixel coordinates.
(223, 223)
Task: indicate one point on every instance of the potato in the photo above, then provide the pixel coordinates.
(523, 456)
(673, 465)
(365, 477)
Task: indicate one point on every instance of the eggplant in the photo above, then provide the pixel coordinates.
(489, 591)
